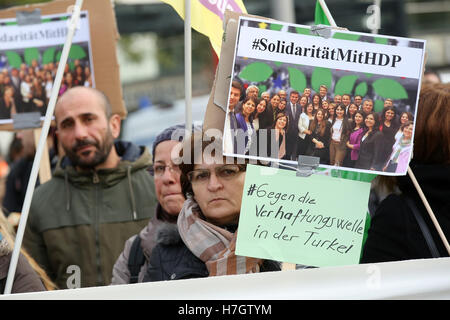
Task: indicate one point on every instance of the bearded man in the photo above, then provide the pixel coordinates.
(100, 195)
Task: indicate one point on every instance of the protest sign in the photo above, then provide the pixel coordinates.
(29, 55)
(315, 221)
(94, 45)
(369, 70)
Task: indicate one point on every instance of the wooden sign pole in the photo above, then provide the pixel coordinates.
(45, 172)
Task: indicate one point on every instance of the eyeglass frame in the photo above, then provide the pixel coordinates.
(242, 168)
(172, 169)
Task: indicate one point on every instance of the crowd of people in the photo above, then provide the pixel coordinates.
(343, 131)
(114, 213)
(28, 88)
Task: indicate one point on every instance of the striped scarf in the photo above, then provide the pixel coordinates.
(213, 245)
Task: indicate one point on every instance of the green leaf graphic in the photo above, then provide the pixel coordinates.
(303, 31)
(14, 59)
(389, 88)
(31, 54)
(76, 52)
(321, 76)
(381, 40)
(378, 105)
(256, 72)
(48, 56)
(297, 79)
(361, 89)
(276, 27)
(345, 84)
(346, 36)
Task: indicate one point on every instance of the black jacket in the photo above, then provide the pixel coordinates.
(394, 233)
(171, 259)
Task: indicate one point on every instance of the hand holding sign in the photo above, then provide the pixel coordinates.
(308, 221)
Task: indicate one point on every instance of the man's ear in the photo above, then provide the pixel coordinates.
(114, 124)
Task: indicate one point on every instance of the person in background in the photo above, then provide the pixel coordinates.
(245, 123)
(340, 131)
(132, 263)
(395, 233)
(293, 111)
(204, 242)
(370, 143)
(323, 92)
(304, 133)
(401, 150)
(388, 128)
(404, 117)
(337, 99)
(320, 137)
(354, 140)
(280, 127)
(99, 196)
(29, 276)
(316, 102)
(230, 127)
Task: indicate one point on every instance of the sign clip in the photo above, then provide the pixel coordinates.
(307, 165)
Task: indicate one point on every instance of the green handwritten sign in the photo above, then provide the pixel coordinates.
(316, 221)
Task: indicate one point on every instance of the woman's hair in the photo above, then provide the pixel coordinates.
(432, 133)
(315, 122)
(383, 114)
(199, 145)
(345, 123)
(241, 109)
(281, 115)
(375, 126)
(409, 114)
(406, 124)
(320, 99)
(360, 112)
(8, 233)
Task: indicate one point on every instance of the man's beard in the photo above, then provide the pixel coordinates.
(101, 152)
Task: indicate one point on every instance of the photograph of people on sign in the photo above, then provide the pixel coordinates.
(347, 98)
(29, 57)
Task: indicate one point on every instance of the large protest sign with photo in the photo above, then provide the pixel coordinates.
(29, 56)
(315, 221)
(348, 98)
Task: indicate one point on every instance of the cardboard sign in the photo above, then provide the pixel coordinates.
(315, 221)
(97, 35)
(276, 56)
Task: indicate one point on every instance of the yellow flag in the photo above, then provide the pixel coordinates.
(207, 16)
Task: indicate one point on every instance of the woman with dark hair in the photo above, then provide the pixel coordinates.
(280, 127)
(352, 108)
(39, 98)
(388, 128)
(261, 105)
(404, 117)
(303, 101)
(320, 137)
(401, 151)
(7, 103)
(369, 146)
(340, 131)
(354, 140)
(330, 114)
(245, 122)
(303, 129)
(274, 103)
(207, 224)
(396, 227)
(316, 102)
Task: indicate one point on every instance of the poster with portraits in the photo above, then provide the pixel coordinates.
(348, 98)
(29, 58)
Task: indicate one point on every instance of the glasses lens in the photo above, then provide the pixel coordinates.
(198, 176)
(227, 171)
